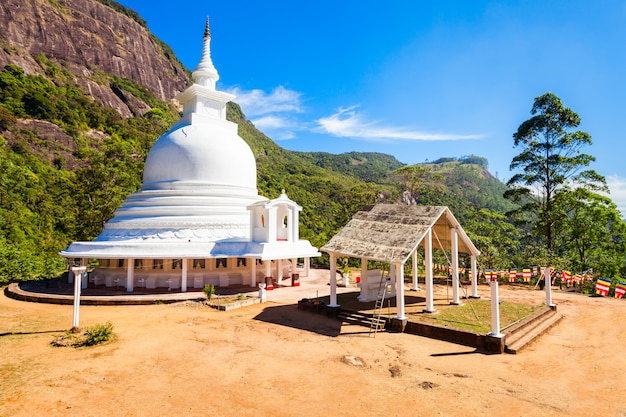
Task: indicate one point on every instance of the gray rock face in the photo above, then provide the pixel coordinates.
(86, 36)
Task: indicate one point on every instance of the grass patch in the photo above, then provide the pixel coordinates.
(475, 316)
(460, 317)
(91, 336)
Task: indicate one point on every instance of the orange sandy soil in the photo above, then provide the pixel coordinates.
(272, 359)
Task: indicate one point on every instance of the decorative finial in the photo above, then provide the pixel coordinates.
(207, 32)
(283, 191)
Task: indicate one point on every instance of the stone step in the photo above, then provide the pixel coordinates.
(532, 320)
(529, 333)
(366, 320)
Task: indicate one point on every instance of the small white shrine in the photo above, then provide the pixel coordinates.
(198, 218)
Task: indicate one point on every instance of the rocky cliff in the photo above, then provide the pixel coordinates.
(88, 38)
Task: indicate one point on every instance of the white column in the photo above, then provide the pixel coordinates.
(416, 285)
(495, 310)
(183, 279)
(290, 225)
(296, 226)
(279, 271)
(252, 272)
(363, 270)
(268, 273)
(77, 271)
(268, 268)
(130, 275)
(455, 266)
(474, 277)
(399, 273)
(307, 266)
(428, 267)
(547, 276)
(272, 224)
(333, 281)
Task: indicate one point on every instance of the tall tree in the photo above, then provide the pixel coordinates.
(552, 163)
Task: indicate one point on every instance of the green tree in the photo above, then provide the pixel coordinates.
(552, 164)
(595, 234)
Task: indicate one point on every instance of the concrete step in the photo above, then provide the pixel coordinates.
(366, 320)
(523, 337)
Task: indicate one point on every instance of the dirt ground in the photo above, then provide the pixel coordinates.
(272, 359)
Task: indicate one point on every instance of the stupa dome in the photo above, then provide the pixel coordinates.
(200, 154)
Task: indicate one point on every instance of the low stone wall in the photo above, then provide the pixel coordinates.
(231, 305)
(449, 335)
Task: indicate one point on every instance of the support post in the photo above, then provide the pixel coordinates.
(474, 277)
(130, 275)
(455, 266)
(183, 279)
(416, 285)
(77, 271)
(495, 309)
(333, 281)
(399, 273)
(279, 271)
(363, 270)
(428, 267)
(307, 266)
(252, 273)
(547, 275)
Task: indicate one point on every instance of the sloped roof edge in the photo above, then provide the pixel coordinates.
(391, 233)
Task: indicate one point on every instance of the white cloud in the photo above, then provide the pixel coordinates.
(281, 128)
(346, 122)
(258, 102)
(617, 185)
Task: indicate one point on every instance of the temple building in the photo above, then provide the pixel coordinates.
(198, 218)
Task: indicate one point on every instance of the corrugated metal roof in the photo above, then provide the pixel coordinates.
(390, 233)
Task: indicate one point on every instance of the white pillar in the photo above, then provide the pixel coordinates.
(77, 271)
(416, 285)
(290, 227)
(307, 266)
(474, 277)
(295, 227)
(547, 276)
(428, 267)
(183, 279)
(252, 272)
(455, 266)
(268, 268)
(130, 275)
(399, 273)
(279, 271)
(363, 270)
(272, 224)
(84, 279)
(268, 273)
(495, 309)
(333, 281)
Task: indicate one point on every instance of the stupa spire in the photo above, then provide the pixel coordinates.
(205, 73)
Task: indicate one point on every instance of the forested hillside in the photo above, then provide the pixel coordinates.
(73, 142)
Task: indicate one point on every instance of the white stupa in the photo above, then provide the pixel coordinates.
(198, 218)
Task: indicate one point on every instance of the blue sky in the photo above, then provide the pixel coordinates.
(415, 79)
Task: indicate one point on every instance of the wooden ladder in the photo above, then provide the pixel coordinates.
(376, 322)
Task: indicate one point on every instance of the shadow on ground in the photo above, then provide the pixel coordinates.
(291, 316)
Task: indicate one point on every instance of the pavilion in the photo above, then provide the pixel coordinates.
(198, 218)
(391, 234)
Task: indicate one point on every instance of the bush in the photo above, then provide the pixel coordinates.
(209, 290)
(98, 333)
(91, 336)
